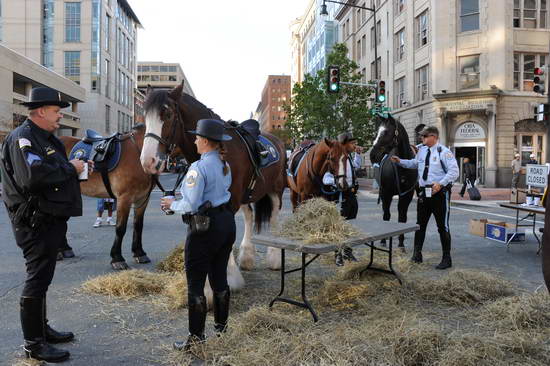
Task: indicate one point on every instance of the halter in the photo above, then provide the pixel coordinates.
(169, 145)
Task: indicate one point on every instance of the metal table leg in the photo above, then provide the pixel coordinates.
(305, 304)
(390, 260)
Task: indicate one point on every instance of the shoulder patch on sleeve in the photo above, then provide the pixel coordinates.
(449, 155)
(191, 178)
(23, 142)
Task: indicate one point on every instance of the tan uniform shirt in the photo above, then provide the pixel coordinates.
(516, 166)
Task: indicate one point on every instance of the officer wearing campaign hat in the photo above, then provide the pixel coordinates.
(207, 249)
(40, 191)
(437, 170)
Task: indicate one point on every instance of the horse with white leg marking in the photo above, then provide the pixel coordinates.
(169, 116)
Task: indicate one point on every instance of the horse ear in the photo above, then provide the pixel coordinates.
(328, 142)
(175, 94)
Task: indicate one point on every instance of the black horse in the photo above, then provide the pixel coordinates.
(392, 139)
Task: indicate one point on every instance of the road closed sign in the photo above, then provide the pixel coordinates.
(537, 175)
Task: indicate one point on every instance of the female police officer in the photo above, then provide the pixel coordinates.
(207, 249)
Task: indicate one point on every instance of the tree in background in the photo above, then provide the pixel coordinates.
(314, 113)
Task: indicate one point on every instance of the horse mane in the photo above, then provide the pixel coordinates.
(156, 99)
(403, 143)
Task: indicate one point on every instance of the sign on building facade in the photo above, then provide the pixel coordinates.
(470, 131)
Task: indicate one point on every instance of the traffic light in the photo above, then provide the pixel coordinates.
(542, 111)
(333, 79)
(540, 80)
(381, 92)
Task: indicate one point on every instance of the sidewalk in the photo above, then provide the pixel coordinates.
(490, 197)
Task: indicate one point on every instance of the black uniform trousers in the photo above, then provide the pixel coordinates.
(40, 252)
(208, 253)
(439, 206)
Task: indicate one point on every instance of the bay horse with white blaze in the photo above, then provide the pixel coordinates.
(169, 115)
(130, 186)
(392, 139)
(306, 182)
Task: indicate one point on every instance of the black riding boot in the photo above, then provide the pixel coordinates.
(197, 317)
(32, 323)
(417, 253)
(52, 335)
(338, 258)
(221, 310)
(348, 254)
(446, 261)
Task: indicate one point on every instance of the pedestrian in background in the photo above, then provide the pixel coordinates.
(357, 160)
(41, 192)
(516, 169)
(211, 232)
(437, 170)
(468, 174)
(102, 204)
(532, 160)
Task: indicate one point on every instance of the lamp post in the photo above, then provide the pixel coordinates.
(324, 12)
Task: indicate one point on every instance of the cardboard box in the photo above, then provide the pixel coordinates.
(477, 227)
(518, 195)
(503, 233)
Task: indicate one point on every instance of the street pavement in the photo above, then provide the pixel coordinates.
(103, 327)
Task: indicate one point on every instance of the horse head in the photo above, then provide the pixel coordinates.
(387, 139)
(332, 158)
(162, 120)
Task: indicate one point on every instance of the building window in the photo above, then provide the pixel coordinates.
(469, 15)
(400, 92)
(47, 33)
(107, 79)
(422, 83)
(422, 29)
(379, 32)
(96, 47)
(524, 65)
(372, 38)
(399, 6)
(72, 22)
(400, 45)
(469, 72)
(107, 118)
(107, 33)
(72, 66)
(364, 45)
(530, 14)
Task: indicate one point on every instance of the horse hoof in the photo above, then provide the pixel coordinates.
(120, 266)
(142, 259)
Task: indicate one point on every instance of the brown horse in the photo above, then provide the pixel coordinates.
(130, 185)
(169, 115)
(307, 183)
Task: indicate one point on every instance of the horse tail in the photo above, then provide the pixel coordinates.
(291, 183)
(262, 212)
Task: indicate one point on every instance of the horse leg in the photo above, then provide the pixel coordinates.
(247, 250)
(117, 260)
(402, 208)
(140, 256)
(294, 200)
(386, 205)
(273, 256)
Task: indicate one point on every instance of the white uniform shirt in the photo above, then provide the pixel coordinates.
(436, 174)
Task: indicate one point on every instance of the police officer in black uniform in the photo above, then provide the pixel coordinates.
(41, 192)
(211, 232)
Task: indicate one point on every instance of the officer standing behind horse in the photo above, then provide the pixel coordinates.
(211, 232)
(437, 170)
(41, 192)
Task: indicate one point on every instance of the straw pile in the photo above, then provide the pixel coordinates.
(174, 261)
(317, 221)
(476, 322)
(168, 290)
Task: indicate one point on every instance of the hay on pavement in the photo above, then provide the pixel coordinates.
(127, 284)
(174, 261)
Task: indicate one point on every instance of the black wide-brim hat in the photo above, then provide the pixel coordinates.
(211, 129)
(43, 96)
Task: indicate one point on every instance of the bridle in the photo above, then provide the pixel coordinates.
(168, 145)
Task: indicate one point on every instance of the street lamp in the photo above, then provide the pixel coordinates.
(324, 12)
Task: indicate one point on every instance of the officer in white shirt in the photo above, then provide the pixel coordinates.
(437, 170)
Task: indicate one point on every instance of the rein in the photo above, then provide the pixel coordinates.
(315, 178)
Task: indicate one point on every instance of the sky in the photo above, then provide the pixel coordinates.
(226, 48)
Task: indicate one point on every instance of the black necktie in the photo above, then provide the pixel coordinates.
(426, 165)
